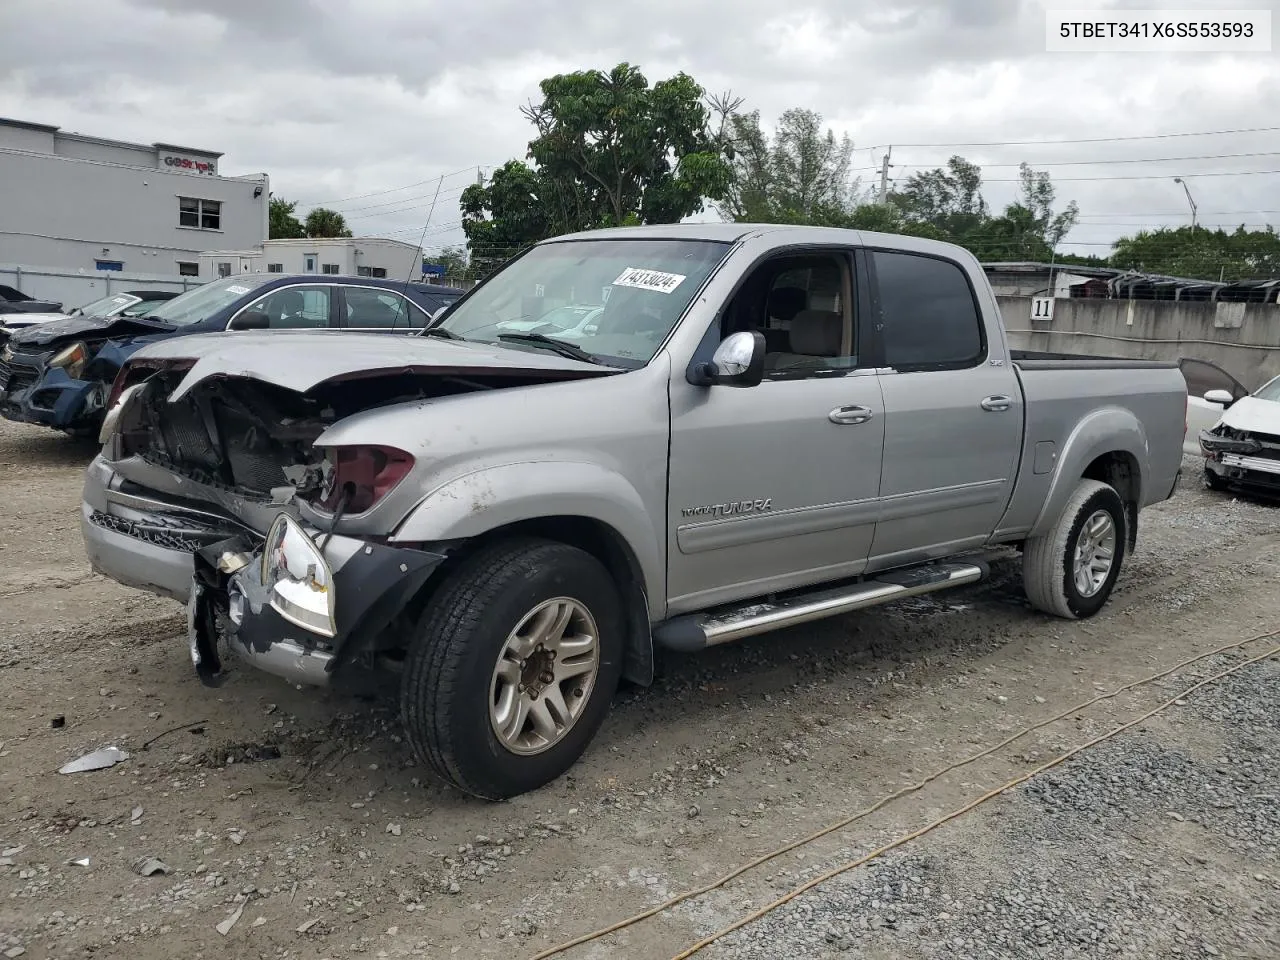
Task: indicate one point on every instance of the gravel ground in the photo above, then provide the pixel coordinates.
(1092, 864)
(303, 815)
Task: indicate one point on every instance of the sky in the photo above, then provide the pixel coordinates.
(366, 106)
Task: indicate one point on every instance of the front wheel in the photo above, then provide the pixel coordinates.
(1071, 570)
(513, 667)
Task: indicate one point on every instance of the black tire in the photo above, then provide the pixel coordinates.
(445, 692)
(1048, 561)
(1213, 481)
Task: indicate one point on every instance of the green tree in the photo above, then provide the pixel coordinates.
(454, 261)
(282, 223)
(323, 222)
(946, 198)
(620, 151)
(1202, 254)
(800, 176)
(505, 215)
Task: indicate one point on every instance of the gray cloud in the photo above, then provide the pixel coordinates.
(344, 98)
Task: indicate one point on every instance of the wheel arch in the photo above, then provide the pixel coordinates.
(1110, 446)
(581, 504)
(607, 545)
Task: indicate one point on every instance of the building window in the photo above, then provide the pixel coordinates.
(224, 269)
(309, 262)
(331, 268)
(275, 268)
(201, 214)
(379, 272)
(188, 269)
(114, 265)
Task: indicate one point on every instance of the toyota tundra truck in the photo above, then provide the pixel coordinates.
(761, 426)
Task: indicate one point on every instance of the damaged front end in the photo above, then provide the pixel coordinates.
(276, 606)
(65, 388)
(200, 498)
(1243, 458)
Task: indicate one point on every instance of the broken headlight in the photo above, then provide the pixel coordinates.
(72, 359)
(297, 578)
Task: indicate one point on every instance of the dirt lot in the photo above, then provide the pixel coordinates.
(1159, 842)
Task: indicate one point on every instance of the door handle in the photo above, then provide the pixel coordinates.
(850, 415)
(996, 404)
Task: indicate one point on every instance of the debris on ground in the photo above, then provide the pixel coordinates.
(149, 866)
(225, 926)
(97, 760)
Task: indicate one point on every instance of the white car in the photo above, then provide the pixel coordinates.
(1237, 432)
(573, 320)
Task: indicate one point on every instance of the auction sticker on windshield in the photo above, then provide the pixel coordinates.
(654, 280)
(237, 289)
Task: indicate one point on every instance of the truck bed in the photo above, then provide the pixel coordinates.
(1044, 360)
(1068, 397)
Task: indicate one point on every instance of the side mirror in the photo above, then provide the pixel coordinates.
(251, 320)
(1222, 397)
(737, 362)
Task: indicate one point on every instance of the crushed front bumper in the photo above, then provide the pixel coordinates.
(48, 397)
(1256, 474)
(230, 610)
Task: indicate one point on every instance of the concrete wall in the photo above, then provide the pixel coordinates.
(73, 288)
(58, 211)
(1243, 339)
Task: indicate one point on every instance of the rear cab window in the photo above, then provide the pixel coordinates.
(925, 311)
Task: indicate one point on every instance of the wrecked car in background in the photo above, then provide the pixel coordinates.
(1242, 449)
(58, 374)
(131, 303)
(763, 426)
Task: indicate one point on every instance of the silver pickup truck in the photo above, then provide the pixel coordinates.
(737, 428)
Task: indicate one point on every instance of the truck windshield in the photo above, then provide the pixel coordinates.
(194, 305)
(640, 288)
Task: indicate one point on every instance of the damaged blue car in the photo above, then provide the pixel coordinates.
(59, 374)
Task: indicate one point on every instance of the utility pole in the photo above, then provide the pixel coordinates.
(1187, 190)
(884, 176)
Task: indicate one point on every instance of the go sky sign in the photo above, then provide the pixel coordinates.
(181, 164)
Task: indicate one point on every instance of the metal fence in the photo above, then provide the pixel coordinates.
(74, 288)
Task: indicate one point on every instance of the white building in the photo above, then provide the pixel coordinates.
(92, 204)
(347, 256)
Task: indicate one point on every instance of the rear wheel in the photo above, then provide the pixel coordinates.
(513, 667)
(1071, 571)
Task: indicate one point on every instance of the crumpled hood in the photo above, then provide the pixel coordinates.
(1254, 416)
(300, 361)
(17, 321)
(81, 328)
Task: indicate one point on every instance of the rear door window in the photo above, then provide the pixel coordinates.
(371, 308)
(926, 312)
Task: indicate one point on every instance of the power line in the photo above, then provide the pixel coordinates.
(1146, 176)
(407, 186)
(1071, 163)
(1028, 143)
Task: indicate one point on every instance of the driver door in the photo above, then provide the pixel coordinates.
(774, 486)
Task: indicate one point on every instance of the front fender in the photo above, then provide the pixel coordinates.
(494, 497)
(1103, 431)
